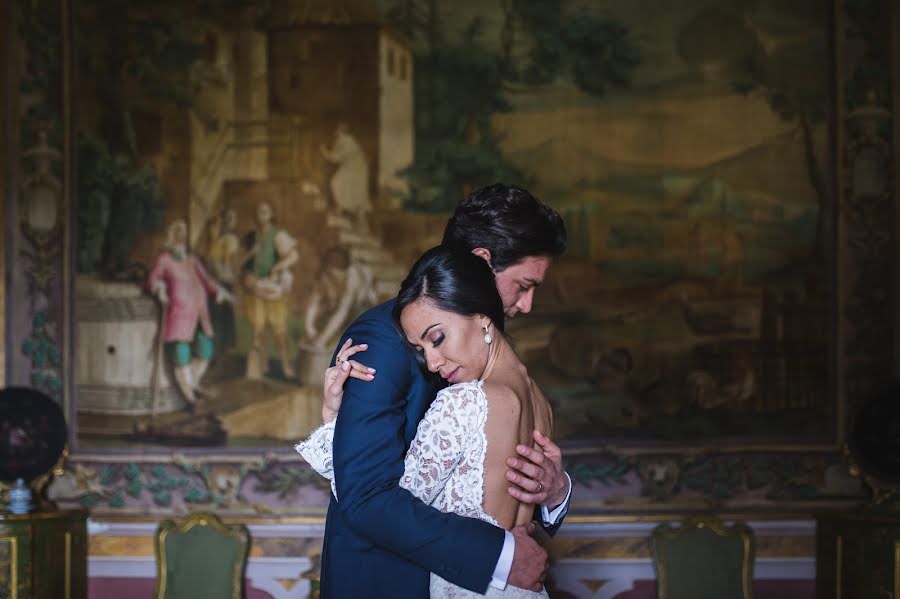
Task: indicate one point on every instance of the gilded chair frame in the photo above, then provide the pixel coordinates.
(737, 530)
(237, 531)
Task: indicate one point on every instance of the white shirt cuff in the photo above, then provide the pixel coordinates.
(504, 563)
(551, 518)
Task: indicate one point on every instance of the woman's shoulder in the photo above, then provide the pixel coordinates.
(481, 393)
(476, 386)
(463, 403)
(462, 392)
(500, 389)
(512, 394)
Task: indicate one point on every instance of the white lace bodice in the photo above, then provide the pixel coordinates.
(444, 466)
(445, 463)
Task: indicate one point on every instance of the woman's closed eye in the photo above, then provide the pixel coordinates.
(437, 340)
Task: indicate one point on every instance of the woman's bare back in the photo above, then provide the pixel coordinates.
(515, 408)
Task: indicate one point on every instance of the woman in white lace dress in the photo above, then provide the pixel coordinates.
(449, 310)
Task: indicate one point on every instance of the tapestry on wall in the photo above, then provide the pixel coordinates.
(261, 174)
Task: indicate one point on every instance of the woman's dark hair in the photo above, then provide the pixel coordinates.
(459, 282)
(509, 222)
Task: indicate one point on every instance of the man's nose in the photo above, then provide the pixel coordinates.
(524, 303)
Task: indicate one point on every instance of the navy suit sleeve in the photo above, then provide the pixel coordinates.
(550, 530)
(369, 450)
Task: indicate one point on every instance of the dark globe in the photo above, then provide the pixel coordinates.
(33, 433)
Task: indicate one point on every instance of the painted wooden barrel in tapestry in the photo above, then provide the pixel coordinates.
(116, 353)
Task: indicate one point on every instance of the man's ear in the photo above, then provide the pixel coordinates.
(485, 254)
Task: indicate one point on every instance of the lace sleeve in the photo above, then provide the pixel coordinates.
(317, 451)
(440, 442)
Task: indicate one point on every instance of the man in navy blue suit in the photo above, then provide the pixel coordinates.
(380, 541)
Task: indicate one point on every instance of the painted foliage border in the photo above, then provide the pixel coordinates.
(644, 479)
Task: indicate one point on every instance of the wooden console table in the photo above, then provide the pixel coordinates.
(43, 555)
(858, 556)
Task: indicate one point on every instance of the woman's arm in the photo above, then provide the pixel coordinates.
(439, 444)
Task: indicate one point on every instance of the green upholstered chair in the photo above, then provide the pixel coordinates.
(200, 557)
(703, 559)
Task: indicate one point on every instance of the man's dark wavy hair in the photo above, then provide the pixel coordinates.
(509, 222)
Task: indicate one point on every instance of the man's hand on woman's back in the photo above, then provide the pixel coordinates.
(529, 565)
(538, 473)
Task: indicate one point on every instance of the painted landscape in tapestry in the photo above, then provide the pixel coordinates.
(252, 175)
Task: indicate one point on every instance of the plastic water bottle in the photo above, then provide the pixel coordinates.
(20, 498)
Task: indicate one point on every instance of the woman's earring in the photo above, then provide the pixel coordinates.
(487, 336)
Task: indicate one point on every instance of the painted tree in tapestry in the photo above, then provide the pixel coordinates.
(471, 68)
(687, 151)
(271, 169)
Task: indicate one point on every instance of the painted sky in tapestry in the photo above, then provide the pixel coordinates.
(251, 176)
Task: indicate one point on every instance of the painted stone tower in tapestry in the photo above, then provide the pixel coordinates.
(335, 69)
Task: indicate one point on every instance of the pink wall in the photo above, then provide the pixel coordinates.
(141, 588)
(762, 589)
